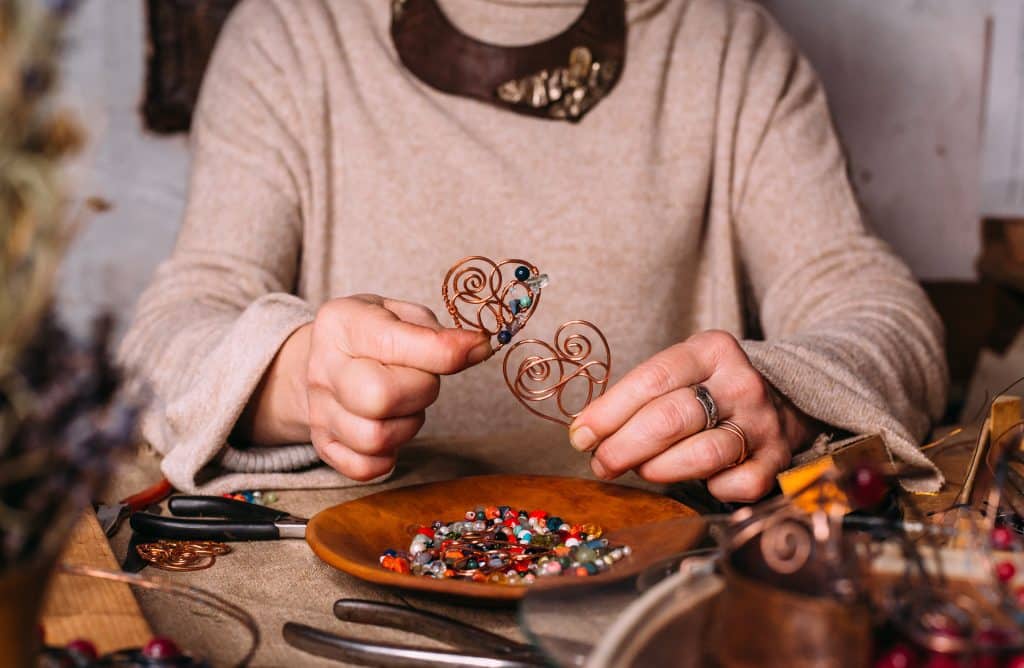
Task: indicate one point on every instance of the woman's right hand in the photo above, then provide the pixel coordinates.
(357, 380)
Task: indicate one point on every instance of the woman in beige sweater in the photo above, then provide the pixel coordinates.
(700, 214)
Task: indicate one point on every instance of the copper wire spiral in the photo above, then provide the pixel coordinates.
(546, 374)
(180, 555)
(475, 293)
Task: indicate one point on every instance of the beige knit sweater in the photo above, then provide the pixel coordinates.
(708, 191)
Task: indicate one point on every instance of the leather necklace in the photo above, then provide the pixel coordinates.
(563, 77)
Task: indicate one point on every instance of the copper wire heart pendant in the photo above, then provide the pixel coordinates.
(493, 297)
(556, 381)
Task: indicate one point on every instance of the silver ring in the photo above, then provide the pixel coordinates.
(707, 402)
(732, 427)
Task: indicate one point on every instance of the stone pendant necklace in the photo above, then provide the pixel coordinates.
(560, 78)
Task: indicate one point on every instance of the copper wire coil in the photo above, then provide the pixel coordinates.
(546, 375)
(483, 292)
(177, 555)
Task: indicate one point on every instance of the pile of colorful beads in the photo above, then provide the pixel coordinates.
(501, 545)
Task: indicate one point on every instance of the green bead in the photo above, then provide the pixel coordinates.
(543, 540)
(584, 554)
(524, 302)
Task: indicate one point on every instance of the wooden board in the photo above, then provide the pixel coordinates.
(79, 607)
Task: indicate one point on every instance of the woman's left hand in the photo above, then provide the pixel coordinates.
(652, 421)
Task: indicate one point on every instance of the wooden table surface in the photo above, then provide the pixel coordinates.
(105, 612)
(281, 580)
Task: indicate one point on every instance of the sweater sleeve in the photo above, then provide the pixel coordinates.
(849, 336)
(219, 309)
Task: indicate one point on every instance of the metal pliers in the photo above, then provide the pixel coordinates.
(476, 648)
(235, 521)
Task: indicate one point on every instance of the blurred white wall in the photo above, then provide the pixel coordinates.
(906, 79)
(904, 76)
(142, 174)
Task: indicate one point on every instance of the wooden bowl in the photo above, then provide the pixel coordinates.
(352, 536)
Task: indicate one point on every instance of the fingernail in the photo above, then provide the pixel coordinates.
(582, 438)
(480, 352)
(599, 470)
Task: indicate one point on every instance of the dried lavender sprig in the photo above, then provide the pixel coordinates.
(64, 448)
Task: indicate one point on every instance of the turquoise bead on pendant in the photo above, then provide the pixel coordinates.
(524, 302)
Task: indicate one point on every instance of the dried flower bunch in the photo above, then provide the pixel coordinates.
(61, 419)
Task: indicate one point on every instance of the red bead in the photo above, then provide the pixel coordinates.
(426, 531)
(1002, 538)
(1005, 571)
(993, 638)
(537, 514)
(1019, 595)
(899, 656)
(1015, 661)
(866, 486)
(936, 660)
(161, 647)
(84, 648)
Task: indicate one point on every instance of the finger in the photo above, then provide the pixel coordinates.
(372, 437)
(747, 482)
(666, 420)
(694, 361)
(417, 314)
(369, 389)
(354, 465)
(679, 366)
(370, 330)
(694, 458)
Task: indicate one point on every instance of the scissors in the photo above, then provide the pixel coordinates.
(475, 647)
(235, 521)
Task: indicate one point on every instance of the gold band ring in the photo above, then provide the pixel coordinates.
(734, 428)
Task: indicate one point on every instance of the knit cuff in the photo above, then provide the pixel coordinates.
(829, 392)
(200, 420)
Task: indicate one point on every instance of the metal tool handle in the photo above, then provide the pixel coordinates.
(218, 506)
(176, 528)
(386, 655)
(427, 624)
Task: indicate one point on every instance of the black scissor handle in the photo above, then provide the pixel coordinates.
(219, 506)
(176, 528)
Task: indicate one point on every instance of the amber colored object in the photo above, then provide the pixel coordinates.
(352, 536)
(757, 624)
(22, 592)
(870, 449)
(181, 38)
